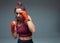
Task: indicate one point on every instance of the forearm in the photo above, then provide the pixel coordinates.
(31, 26)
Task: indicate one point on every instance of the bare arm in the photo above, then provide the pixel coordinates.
(31, 24)
(13, 29)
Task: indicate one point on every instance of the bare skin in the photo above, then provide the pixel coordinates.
(29, 23)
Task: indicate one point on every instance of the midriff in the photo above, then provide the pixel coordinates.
(25, 38)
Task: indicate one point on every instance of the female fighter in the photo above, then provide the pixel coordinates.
(22, 27)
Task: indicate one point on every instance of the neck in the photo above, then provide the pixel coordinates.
(19, 22)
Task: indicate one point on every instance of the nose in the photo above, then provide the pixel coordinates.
(18, 15)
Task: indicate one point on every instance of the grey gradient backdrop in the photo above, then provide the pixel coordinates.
(44, 13)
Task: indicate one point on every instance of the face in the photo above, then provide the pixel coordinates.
(18, 14)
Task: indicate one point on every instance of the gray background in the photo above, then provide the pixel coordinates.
(44, 13)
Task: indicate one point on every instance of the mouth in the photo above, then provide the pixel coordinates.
(19, 18)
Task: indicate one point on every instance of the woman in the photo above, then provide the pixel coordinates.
(23, 27)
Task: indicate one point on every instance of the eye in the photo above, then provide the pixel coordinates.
(16, 13)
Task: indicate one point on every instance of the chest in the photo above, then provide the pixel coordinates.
(22, 28)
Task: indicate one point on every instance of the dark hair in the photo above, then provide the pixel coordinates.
(19, 5)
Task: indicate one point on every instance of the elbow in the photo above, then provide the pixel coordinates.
(14, 35)
(33, 29)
